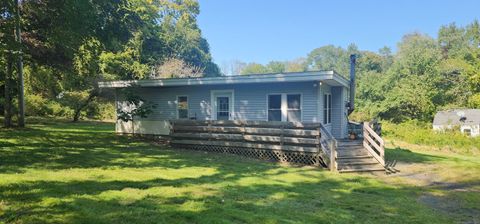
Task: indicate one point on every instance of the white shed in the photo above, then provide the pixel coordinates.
(466, 121)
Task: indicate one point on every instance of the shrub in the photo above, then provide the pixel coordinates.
(417, 132)
(36, 105)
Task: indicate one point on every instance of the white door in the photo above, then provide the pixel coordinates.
(222, 105)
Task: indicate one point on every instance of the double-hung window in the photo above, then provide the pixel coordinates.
(182, 107)
(294, 109)
(327, 108)
(275, 107)
(285, 107)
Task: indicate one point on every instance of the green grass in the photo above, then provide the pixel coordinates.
(61, 172)
(421, 133)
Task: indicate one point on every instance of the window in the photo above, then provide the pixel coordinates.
(294, 111)
(327, 108)
(275, 107)
(182, 107)
(467, 131)
(285, 107)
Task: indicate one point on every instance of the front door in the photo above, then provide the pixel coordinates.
(222, 106)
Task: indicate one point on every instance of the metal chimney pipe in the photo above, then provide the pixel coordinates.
(351, 104)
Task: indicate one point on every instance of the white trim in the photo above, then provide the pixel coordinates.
(330, 77)
(284, 104)
(213, 107)
(328, 108)
(188, 106)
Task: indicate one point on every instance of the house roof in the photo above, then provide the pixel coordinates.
(454, 117)
(329, 77)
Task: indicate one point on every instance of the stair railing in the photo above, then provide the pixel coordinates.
(329, 147)
(373, 143)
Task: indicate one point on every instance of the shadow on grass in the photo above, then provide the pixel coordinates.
(239, 190)
(323, 200)
(408, 156)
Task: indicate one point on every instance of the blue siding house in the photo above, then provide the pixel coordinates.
(317, 96)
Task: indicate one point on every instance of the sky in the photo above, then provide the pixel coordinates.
(265, 30)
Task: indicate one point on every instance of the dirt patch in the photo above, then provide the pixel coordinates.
(452, 207)
(440, 195)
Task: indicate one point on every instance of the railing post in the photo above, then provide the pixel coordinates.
(333, 166)
(319, 136)
(282, 135)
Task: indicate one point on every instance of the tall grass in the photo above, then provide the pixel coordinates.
(417, 132)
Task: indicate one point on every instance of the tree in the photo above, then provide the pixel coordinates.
(133, 106)
(254, 68)
(276, 67)
(176, 68)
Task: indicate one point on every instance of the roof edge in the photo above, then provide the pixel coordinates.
(240, 79)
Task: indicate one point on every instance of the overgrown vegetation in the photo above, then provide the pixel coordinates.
(63, 172)
(70, 46)
(425, 74)
(421, 133)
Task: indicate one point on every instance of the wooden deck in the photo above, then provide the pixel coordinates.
(292, 142)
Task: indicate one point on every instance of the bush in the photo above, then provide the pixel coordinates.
(416, 132)
(36, 105)
(101, 109)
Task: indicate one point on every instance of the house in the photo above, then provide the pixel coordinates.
(465, 120)
(319, 96)
(290, 117)
(308, 97)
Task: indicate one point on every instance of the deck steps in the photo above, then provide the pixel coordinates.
(353, 157)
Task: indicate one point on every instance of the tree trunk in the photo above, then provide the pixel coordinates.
(8, 94)
(133, 128)
(78, 110)
(21, 99)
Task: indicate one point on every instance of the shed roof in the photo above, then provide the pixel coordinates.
(329, 77)
(453, 117)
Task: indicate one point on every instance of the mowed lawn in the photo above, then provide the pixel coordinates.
(61, 172)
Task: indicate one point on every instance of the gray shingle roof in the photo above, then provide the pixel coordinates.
(453, 117)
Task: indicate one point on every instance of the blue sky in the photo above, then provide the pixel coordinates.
(265, 30)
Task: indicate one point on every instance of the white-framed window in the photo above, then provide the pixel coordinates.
(275, 107)
(327, 108)
(294, 107)
(285, 107)
(182, 107)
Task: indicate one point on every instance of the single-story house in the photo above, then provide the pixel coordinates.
(314, 96)
(466, 121)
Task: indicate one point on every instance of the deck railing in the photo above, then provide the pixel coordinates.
(289, 141)
(329, 146)
(373, 143)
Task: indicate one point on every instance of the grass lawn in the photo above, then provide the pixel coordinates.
(60, 172)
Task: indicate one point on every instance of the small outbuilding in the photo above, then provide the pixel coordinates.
(466, 121)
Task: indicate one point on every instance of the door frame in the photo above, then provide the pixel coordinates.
(213, 102)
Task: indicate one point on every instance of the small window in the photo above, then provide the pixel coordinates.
(182, 107)
(467, 131)
(294, 109)
(275, 107)
(327, 108)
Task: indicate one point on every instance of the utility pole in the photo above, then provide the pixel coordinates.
(21, 98)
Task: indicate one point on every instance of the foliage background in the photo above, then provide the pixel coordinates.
(71, 45)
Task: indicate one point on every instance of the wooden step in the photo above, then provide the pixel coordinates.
(360, 168)
(356, 160)
(354, 157)
(349, 144)
(360, 147)
(352, 153)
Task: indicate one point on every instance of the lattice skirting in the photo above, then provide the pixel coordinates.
(312, 159)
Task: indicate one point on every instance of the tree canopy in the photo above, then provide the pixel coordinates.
(71, 45)
(424, 75)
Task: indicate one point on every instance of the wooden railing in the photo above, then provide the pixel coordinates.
(329, 146)
(263, 135)
(373, 143)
